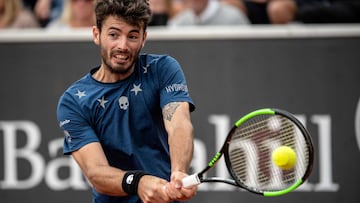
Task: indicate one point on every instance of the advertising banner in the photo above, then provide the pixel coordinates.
(317, 79)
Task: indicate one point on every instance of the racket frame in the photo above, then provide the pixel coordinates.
(304, 131)
(198, 178)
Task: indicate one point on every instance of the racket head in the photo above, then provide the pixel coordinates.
(249, 148)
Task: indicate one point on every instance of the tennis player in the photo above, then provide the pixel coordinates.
(127, 122)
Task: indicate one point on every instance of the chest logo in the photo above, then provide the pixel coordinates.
(123, 103)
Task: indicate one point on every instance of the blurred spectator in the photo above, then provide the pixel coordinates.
(161, 12)
(14, 15)
(237, 3)
(45, 10)
(306, 11)
(282, 11)
(267, 11)
(255, 10)
(208, 12)
(75, 14)
(334, 11)
(177, 6)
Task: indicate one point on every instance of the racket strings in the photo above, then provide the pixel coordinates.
(251, 147)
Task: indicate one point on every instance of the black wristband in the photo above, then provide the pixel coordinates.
(131, 181)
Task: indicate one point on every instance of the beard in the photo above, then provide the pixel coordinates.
(119, 68)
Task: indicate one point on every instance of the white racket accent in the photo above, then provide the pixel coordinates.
(190, 180)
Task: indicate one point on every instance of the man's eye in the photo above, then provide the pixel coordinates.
(112, 35)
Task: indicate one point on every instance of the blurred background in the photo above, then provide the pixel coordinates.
(238, 55)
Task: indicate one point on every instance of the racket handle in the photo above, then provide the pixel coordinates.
(190, 180)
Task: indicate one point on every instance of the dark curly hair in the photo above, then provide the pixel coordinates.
(134, 12)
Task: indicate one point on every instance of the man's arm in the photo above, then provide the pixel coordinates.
(93, 163)
(108, 180)
(180, 132)
(181, 143)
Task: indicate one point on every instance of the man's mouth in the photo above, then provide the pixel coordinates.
(121, 56)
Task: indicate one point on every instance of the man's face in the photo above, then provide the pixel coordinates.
(120, 44)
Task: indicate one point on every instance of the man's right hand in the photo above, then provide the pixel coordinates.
(152, 189)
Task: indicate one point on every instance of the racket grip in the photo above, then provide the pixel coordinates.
(190, 180)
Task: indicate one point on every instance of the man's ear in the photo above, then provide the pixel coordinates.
(96, 35)
(145, 36)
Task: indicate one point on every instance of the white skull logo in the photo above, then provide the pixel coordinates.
(123, 102)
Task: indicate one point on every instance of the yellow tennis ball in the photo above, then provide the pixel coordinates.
(284, 157)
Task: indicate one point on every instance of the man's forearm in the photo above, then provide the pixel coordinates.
(181, 148)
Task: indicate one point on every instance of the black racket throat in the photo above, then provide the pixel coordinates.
(220, 180)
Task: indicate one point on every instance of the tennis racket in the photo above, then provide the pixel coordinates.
(248, 152)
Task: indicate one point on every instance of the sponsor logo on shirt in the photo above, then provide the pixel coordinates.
(62, 123)
(176, 88)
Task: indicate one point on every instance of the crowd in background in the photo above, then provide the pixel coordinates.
(68, 14)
